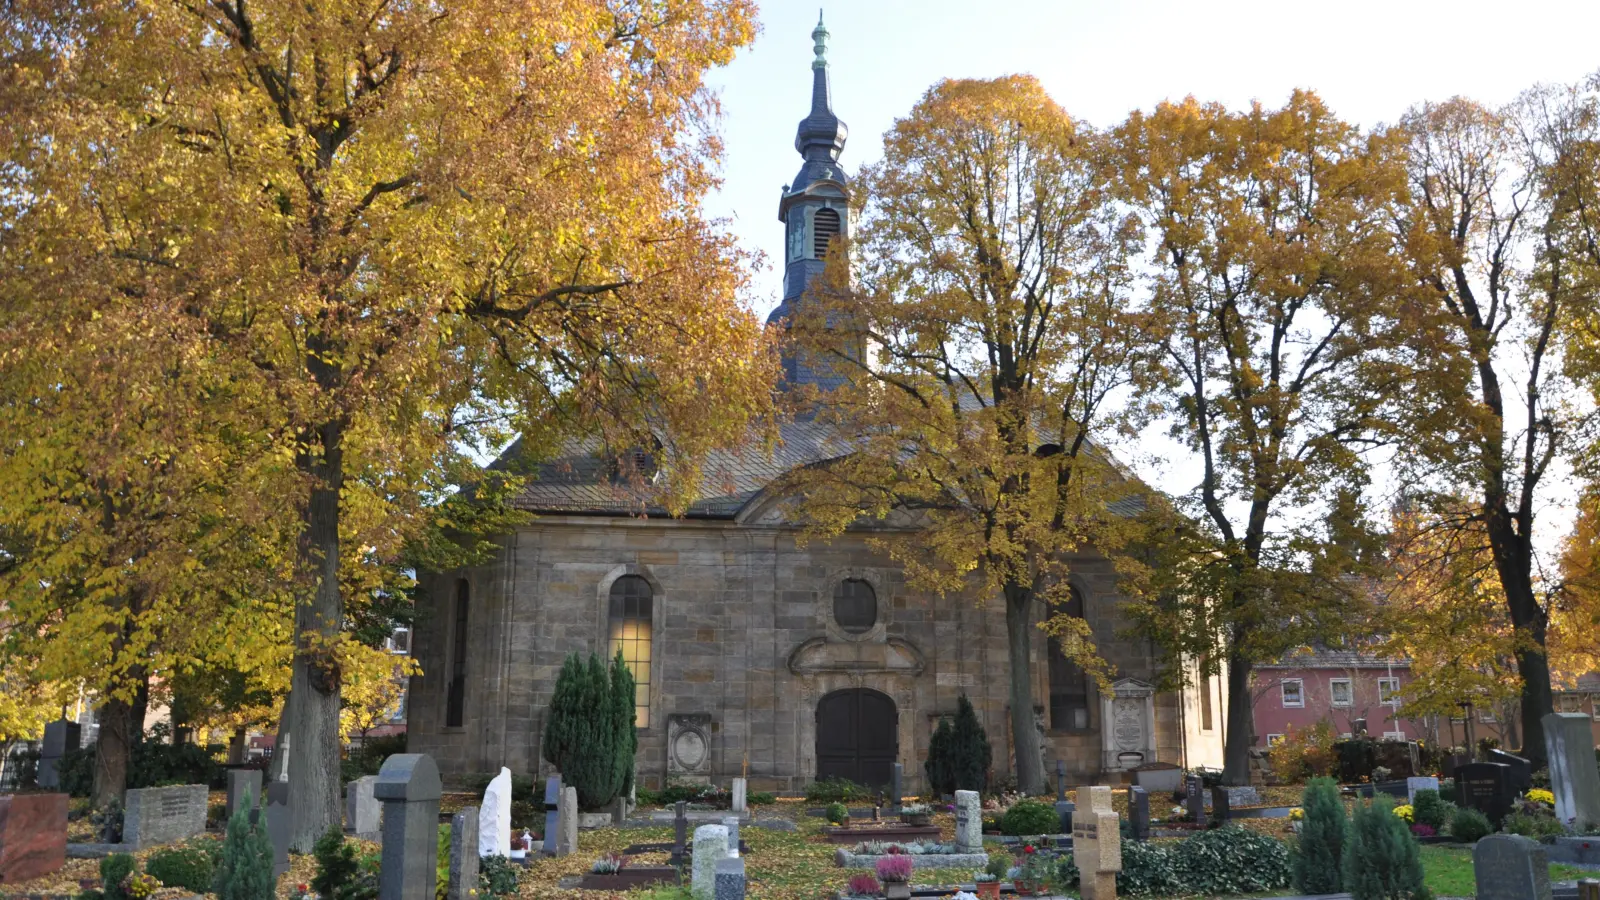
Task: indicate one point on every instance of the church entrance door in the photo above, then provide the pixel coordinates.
(857, 736)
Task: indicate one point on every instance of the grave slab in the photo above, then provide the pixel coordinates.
(408, 785)
(1510, 867)
(1420, 783)
(162, 815)
(740, 795)
(494, 817)
(33, 836)
(710, 847)
(569, 822)
(240, 783)
(361, 808)
(729, 884)
(1574, 779)
(463, 855)
(1485, 787)
(1097, 845)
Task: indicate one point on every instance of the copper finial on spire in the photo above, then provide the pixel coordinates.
(820, 35)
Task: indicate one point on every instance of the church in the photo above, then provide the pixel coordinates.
(754, 655)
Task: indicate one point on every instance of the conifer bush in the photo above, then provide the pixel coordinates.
(588, 748)
(114, 872)
(1317, 859)
(1468, 825)
(970, 754)
(1428, 809)
(341, 874)
(1028, 817)
(1381, 859)
(623, 705)
(189, 868)
(245, 872)
(941, 778)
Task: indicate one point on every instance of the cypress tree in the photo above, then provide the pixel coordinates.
(970, 754)
(1318, 857)
(595, 766)
(941, 777)
(561, 738)
(627, 739)
(245, 872)
(1381, 860)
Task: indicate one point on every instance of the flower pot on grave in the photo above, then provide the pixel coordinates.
(1024, 887)
(988, 890)
(897, 890)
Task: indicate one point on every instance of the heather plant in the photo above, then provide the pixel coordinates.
(1317, 859)
(895, 868)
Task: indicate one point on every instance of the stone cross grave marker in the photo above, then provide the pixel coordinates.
(1485, 787)
(680, 831)
(1139, 812)
(732, 824)
(740, 798)
(729, 884)
(361, 806)
(494, 817)
(408, 785)
(33, 836)
(1097, 845)
(897, 774)
(463, 854)
(569, 822)
(1521, 770)
(1510, 867)
(710, 846)
(153, 816)
(60, 737)
(242, 782)
(552, 816)
(969, 822)
(1194, 800)
(1573, 777)
(1420, 783)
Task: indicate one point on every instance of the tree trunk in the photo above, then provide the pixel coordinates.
(1513, 557)
(112, 749)
(1024, 737)
(313, 715)
(236, 752)
(1241, 721)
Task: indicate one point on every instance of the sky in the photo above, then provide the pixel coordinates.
(1368, 60)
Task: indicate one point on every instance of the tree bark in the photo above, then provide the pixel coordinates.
(113, 748)
(1024, 737)
(1241, 721)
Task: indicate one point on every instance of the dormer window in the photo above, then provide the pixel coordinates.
(824, 226)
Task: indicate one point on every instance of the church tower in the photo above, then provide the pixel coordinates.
(814, 209)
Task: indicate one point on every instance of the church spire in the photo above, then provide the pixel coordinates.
(821, 135)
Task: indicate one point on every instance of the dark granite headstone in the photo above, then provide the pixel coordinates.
(1510, 867)
(1219, 803)
(896, 774)
(408, 785)
(552, 814)
(1521, 774)
(240, 783)
(1064, 810)
(1061, 780)
(278, 821)
(60, 737)
(728, 883)
(463, 855)
(1194, 799)
(680, 832)
(1485, 787)
(1139, 812)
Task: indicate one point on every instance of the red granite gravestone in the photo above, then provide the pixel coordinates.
(33, 836)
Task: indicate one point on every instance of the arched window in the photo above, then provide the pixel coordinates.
(824, 225)
(855, 606)
(632, 609)
(1069, 684)
(456, 697)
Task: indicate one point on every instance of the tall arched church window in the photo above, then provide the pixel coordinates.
(1069, 684)
(456, 697)
(632, 606)
(824, 225)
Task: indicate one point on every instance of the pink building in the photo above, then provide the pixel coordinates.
(1337, 686)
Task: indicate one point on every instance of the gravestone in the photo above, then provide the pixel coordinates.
(619, 810)
(1064, 810)
(897, 774)
(361, 807)
(680, 831)
(1573, 777)
(569, 822)
(60, 737)
(1061, 780)
(1521, 774)
(408, 785)
(710, 846)
(1097, 845)
(1510, 867)
(1194, 800)
(1485, 787)
(276, 815)
(969, 822)
(1220, 804)
(242, 782)
(729, 884)
(33, 836)
(1139, 812)
(741, 797)
(552, 817)
(1420, 783)
(494, 817)
(162, 815)
(463, 855)
(732, 824)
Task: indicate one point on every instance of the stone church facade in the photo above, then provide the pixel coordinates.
(754, 654)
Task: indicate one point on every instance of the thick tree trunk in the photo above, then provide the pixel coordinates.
(1513, 556)
(1241, 721)
(236, 747)
(112, 750)
(1024, 736)
(313, 715)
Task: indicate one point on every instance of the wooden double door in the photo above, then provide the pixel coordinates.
(857, 736)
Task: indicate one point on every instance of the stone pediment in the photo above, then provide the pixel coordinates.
(1131, 687)
(819, 655)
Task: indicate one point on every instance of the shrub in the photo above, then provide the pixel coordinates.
(761, 798)
(1468, 825)
(1305, 753)
(970, 753)
(1317, 857)
(1447, 791)
(245, 872)
(150, 764)
(1030, 817)
(941, 778)
(497, 876)
(579, 743)
(114, 872)
(1427, 809)
(864, 885)
(368, 758)
(181, 867)
(625, 736)
(1532, 825)
(836, 790)
(1147, 869)
(340, 874)
(837, 813)
(1230, 860)
(998, 865)
(1381, 861)
(894, 868)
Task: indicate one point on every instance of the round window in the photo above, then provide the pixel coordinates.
(855, 606)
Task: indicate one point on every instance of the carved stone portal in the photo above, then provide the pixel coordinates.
(1129, 733)
(689, 746)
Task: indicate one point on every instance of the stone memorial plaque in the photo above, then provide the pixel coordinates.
(1194, 799)
(969, 822)
(1420, 783)
(163, 815)
(1510, 867)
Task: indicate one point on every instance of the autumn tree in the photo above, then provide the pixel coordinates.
(411, 230)
(1495, 238)
(987, 281)
(1269, 255)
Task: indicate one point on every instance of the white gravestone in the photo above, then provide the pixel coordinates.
(1420, 783)
(969, 822)
(710, 845)
(494, 817)
(740, 795)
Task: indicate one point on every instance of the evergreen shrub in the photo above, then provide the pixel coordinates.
(1381, 859)
(582, 745)
(623, 703)
(114, 871)
(1317, 858)
(245, 872)
(836, 790)
(1027, 817)
(1147, 870)
(342, 874)
(970, 753)
(497, 876)
(1428, 809)
(181, 867)
(941, 778)
(1468, 825)
(150, 764)
(1231, 860)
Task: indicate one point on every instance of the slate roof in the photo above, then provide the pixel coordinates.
(1335, 659)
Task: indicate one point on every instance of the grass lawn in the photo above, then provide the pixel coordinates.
(1448, 871)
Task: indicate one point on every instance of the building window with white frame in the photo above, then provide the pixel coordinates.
(1273, 739)
(1394, 735)
(1293, 692)
(1340, 692)
(400, 641)
(1389, 691)
(1569, 703)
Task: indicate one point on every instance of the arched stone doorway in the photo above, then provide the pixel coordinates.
(857, 736)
